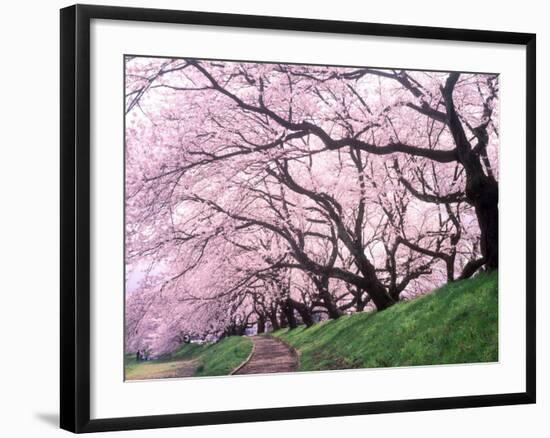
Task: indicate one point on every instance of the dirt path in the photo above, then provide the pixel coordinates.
(270, 355)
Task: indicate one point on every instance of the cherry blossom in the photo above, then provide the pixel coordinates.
(268, 195)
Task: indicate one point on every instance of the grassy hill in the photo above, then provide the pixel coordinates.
(212, 359)
(457, 323)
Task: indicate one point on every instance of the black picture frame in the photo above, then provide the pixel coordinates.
(75, 217)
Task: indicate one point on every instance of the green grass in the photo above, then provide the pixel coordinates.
(221, 358)
(457, 323)
(212, 359)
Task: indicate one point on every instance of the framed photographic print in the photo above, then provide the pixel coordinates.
(304, 218)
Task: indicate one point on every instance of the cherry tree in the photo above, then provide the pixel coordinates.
(269, 193)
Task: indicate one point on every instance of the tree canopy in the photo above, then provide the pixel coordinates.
(270, 194)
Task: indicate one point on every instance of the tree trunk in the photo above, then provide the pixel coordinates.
(289, 313)
(481, 189)
(450, 262)
(471, 267)
(328, 302)
(359, 303)
(261, 324)
(283, 321)
(482, 193)
(379, 296)
(371, 284)
(274, 321)
(333, 312)
(304, 311)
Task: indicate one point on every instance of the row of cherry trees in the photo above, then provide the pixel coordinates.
(269, 195)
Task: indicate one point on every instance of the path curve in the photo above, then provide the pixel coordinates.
(269, 355)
